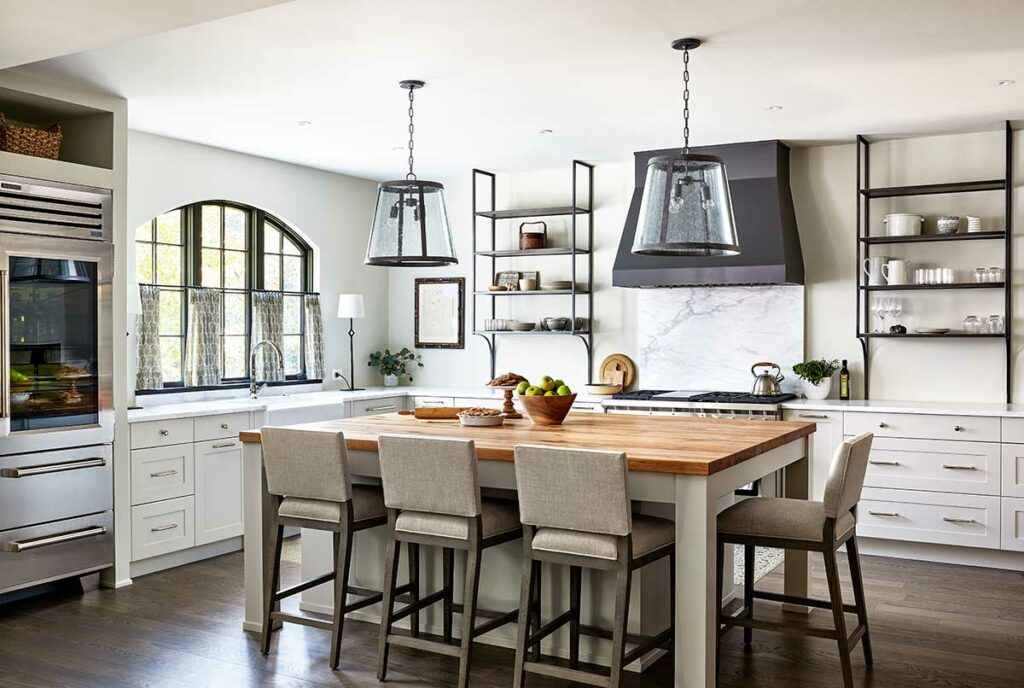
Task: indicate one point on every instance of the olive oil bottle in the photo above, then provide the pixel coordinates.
(844, 381)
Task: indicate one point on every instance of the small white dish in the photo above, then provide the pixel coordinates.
(932, 330)
(603, 390)
(481, 421)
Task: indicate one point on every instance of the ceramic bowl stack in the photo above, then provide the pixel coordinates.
(948, 224)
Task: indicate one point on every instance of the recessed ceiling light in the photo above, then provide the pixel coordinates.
(1005, 82)
(304, 123)
(773, 108)
(544, 131)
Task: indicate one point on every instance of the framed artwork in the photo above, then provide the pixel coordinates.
(508, 279)
(440, 313)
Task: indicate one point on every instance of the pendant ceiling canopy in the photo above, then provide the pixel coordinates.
(686, 209)
(410, 222)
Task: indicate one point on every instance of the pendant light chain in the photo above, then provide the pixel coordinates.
(686, 101)
(411, 175)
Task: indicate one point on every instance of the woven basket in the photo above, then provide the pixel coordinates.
(41, 143)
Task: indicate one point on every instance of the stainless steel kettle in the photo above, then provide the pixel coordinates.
(766, 383)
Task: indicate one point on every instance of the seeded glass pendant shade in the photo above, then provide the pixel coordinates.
(410, 221)
(685, 209)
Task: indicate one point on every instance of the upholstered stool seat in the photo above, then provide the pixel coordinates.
(497, 516)
(576, 512)
(771, 517)
(432, 494)
(367, 503)
(811, 526)
(649, 533)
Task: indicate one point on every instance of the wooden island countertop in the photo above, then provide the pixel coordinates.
(658, 444)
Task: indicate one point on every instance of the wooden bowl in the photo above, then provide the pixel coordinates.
(547, 410)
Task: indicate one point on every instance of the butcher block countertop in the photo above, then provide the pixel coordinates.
(658, 444)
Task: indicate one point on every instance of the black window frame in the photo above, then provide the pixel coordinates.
(192, 250)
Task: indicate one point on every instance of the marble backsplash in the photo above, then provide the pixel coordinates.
(706, 338)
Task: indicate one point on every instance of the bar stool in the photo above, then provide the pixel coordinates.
(812, 526)
(576, 512)
(432, 494)
(307, 473)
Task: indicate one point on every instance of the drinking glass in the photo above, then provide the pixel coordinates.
(946, 275)
(883, 311)
(972, 325)
(896, 307)
(876, 304)
(994, 324)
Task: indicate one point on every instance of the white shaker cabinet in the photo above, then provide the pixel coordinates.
(218, 496)
(827, 436)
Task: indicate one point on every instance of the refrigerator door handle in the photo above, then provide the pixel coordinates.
(5, 350)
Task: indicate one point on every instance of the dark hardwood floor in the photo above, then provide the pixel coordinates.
(932, 625)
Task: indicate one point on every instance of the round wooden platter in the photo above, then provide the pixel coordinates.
(616, 363)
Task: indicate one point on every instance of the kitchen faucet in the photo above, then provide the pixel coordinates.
(254, 387)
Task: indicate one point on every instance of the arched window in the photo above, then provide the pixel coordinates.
(236, 250)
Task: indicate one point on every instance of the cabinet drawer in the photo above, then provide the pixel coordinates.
(162, 527)
(939, 466)
(56, 550)
(161, 433)
(372, 407)
(1013, 524)
(933, 517)
(433, 402)
(483, 402)
(221, 427)
(1013, 430)
(162, 473)
(49, 486)
(1013, 470)
(910, 425)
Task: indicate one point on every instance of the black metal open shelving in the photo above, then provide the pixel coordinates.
(492, 253)
(865, 193)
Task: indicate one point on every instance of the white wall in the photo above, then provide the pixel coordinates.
(823, 180)
(332, 211)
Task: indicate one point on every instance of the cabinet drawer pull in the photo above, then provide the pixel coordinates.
(955, 467)
(165, 433)
(160, 529)
(43, 469)
(883, 425)
(164, 474)
(71, 536)
(948, 519)
(958, 428)
(811, 416)
(884, 463)
(390, 407)
(888, 514)
(223, 445)
(223, 426)
(432, 403)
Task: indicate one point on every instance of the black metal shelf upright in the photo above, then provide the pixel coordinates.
(577, 212)
(865, 194)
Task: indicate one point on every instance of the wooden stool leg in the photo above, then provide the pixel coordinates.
(414, 579)
(535, 602)
(342, 564)
(525, 625)
(448, 575)
(271, 579)
(469, 612)
(575, 600)
(391, 557)
(749, 567)
(836, 595)
(853, 554)
(622, 589)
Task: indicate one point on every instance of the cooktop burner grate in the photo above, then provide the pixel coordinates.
(741, 398)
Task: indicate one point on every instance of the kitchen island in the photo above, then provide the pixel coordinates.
(687, 466)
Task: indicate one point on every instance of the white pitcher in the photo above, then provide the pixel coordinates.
(895, 271)
(872, 267)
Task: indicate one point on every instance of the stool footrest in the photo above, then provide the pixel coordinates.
(423, 644)
(303, 620)
(650, 643)
(564, 673)
(549, 628)
(497, 621)
(805, 601)
(303, 586)
(414, 607)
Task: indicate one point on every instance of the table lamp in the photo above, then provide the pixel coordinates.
(351, 306)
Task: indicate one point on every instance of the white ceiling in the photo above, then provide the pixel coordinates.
(599, 73)
(31, 31)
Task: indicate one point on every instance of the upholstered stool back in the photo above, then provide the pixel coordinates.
(306, 464)
(846, 477)
(429, 474)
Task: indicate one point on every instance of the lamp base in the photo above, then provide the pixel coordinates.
(353, 389)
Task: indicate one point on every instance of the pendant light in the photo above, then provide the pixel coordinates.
(686, 209)
(410, 223)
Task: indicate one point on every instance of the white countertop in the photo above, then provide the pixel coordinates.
(201, 407)
(938, 408)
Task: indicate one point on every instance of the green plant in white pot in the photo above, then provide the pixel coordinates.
(394, 365)
(816, 377)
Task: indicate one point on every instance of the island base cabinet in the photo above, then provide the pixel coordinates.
(218, 495)
(933, 517)
(1013, 524)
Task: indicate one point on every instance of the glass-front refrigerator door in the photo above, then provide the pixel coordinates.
(56, 343)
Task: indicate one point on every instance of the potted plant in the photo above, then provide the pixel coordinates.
(816, 377)
(394, 365)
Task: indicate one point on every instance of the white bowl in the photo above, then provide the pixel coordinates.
(481, 421)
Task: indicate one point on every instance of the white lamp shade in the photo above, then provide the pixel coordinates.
(351, 306)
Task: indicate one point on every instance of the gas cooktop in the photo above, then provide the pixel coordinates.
(705, 397)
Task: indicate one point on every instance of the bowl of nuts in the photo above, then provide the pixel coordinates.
(481, 417)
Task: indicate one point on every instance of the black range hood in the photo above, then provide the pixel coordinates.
(765, 222)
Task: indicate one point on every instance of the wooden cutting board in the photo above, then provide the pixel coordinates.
(617, 369)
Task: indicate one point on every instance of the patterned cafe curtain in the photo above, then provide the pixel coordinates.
(203, 342)
(148, 374)
(268, 323)
(314, 338)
